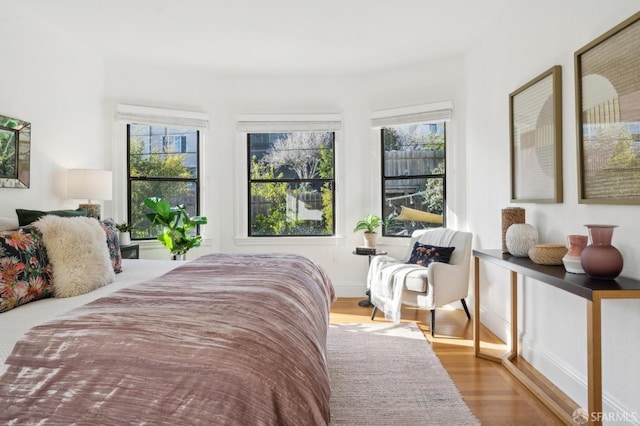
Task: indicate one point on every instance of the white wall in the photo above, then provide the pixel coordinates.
(357, 151)
(70, 97)
(527, 39)
(56, 84)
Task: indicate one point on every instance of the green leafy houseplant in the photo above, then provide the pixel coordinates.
(176, 223)
(124, 227)
(369, 224)
(125, 233)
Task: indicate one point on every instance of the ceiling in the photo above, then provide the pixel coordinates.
(273, 36)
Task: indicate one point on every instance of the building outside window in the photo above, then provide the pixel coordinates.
(291, 183)
(161, 162)
(413, 177)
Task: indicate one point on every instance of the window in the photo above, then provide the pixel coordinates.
(162, 162)
(291, 186)
(413, 177)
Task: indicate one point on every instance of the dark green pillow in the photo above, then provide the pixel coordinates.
(26, 217)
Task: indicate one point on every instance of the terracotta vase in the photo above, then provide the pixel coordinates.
(571, 260)
(600, 259)
(370, 239)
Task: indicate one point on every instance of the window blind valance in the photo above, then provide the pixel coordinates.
(165, 117)
(276, 123)
(426, 113)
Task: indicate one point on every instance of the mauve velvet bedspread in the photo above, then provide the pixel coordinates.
(222, 340)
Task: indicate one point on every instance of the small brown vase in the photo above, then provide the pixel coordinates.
(600, 259)
(571, 260)
(577, 243)
(510, 215)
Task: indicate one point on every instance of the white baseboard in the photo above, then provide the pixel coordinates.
(574, 385)
(350, 289)
(496, 324)
(561, 374)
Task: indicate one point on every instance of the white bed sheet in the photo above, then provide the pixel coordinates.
(17, 321)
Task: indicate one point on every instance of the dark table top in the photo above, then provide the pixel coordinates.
(579, 284)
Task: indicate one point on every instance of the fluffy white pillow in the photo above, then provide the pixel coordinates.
(78, 253)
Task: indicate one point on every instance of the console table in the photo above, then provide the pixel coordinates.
(593, 290)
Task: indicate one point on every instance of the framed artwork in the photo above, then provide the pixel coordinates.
(608, 116)
(15, 152)
(535, 119)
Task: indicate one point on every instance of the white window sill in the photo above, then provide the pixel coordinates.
(290, 241)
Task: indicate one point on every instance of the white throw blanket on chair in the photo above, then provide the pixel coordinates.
(387, 275)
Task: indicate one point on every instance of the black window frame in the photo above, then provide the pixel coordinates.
(131, 179)
(331, 181)
(385, 178)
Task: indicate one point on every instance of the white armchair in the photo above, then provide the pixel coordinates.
(392, 282)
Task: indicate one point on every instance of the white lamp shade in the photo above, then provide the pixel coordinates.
(89, 184)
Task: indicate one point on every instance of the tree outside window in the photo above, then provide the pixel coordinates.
(413, 177)
(162, 162)
(291, 184)
(7, 153)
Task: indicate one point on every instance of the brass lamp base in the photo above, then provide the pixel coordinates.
(93, 210)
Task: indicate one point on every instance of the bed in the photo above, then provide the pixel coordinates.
(235, 339)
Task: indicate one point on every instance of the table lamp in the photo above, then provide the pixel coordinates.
(89, 184)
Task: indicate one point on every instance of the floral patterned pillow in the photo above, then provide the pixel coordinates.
(25, 271)
(113, 243)
(424, 254)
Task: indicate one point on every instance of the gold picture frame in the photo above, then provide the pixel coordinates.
(608, 116)
(535, 119)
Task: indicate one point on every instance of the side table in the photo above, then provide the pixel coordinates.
(366, 303)
(130, 251)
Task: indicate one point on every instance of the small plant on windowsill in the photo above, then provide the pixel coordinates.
(369, 224)
(176, 224)
(125, 233)
(124, 227)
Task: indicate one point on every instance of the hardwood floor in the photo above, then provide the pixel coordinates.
(494, 396)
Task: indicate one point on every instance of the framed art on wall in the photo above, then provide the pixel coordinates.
(608, 116)
(535, 119)
(15, 152)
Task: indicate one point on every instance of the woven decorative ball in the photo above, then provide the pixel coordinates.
(520, 238)
(548, 254)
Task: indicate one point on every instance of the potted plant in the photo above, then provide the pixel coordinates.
(125, 233)
(369, 224)
(176, 224)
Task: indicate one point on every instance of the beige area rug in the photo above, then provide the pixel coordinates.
(387, 374)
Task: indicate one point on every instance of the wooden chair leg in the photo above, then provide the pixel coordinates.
(373, 313)
(432, 325)
(466, 310)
